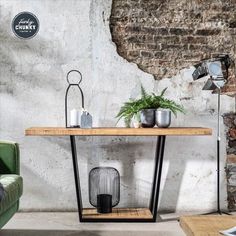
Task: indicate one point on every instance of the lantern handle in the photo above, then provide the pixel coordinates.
(67, 90)
(67, 77)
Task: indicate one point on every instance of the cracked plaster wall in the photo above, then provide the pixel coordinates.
(75, 34)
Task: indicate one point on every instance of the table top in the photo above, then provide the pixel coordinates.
(116, 131)
(206, 225)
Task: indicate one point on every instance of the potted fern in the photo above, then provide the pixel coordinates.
(145, 110)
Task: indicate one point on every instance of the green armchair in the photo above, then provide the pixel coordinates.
(10, 179)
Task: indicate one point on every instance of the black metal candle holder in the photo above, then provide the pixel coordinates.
(104, 188)
(77, 85)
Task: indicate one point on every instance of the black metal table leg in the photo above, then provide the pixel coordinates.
(154, 175)
(157, 175)
(76, 175)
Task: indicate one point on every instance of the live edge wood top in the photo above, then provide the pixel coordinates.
(114, 131)
(209, 225)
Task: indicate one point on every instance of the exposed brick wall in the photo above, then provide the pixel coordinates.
(230, 123)
(162, 37)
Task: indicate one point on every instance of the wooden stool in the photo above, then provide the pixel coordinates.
(209, 225)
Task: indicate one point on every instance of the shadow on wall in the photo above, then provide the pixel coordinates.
(133, 157)
(128, 155)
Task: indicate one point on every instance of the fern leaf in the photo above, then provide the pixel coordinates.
(143, 92)
(163, 92)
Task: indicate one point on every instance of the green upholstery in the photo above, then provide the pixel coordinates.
(13, 190)
(4, 218)
(9, 158)
(10, 179)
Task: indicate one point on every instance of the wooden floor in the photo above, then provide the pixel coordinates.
(118, 213)
(206, 225)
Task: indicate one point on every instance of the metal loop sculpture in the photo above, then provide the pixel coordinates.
(67, 91)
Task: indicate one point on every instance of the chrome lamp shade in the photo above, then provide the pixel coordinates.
(216, 69)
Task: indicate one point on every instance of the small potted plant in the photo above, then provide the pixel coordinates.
(151, 109)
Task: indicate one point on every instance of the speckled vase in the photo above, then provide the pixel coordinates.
(147, 117)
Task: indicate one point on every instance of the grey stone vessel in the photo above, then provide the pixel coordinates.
(163, 118)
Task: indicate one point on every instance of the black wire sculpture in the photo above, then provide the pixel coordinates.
(67, 91)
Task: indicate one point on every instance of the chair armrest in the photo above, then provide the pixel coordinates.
(9, 158)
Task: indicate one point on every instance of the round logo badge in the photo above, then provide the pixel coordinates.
(25, 25)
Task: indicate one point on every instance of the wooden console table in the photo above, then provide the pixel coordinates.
(120, 214)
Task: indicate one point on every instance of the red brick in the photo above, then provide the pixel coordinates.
(232, 133)
(184, 33)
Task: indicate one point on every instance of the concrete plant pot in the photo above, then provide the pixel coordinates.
(163, 118)
(147, 117)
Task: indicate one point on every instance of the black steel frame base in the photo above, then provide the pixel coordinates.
(159, 155)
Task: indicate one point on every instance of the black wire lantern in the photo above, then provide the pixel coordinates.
(77, 85)
(104, 188)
